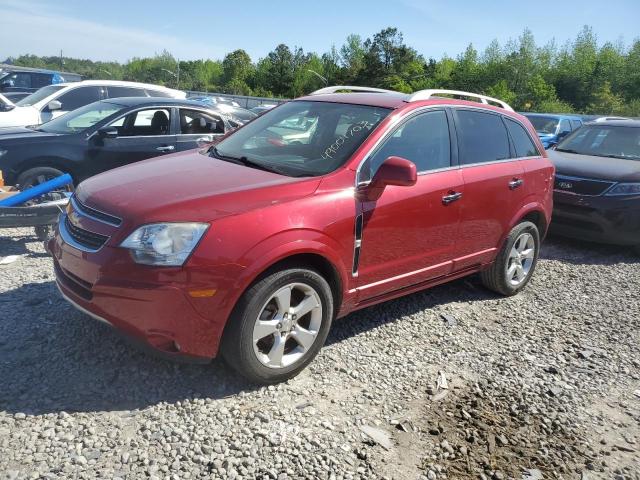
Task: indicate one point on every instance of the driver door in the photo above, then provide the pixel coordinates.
(142, 134)
(409, 233)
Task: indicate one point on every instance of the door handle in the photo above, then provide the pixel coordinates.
(167, 148)
(515, 183)
(451, 197)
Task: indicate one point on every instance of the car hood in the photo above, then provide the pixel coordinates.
(19, 117)
(19, 133)
(590, 166)
(188, 186)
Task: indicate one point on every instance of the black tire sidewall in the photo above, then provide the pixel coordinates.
(237, 345)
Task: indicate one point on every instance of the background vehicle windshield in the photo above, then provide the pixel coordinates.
(543, 124)
(41, 94)
(604, 141)
(81, 119)
(304, 138)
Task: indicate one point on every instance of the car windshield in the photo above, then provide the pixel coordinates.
(543, 124)
(604, 141)
(41, 94)
(302, 138)
(81, 119)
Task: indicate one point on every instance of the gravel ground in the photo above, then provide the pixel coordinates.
(542, 385)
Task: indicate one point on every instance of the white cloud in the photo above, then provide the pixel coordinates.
(31, 27)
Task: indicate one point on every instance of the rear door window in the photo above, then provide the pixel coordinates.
(193, 122)
(522, 142)
(482, 137)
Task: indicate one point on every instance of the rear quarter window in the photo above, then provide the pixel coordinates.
(522, 142)
(482, 137)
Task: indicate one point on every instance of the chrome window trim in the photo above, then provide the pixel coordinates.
(68, 239)
(418, 110)
(74, 204)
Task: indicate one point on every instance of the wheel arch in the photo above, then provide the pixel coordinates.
(532, 212)
(58, 163)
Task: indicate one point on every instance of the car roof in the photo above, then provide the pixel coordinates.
(552, 115)
(141, 101)
(115, 83)
(617, 123)
(395, 100)
(385, 100)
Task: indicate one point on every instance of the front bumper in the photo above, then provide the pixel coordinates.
(151, 306)
(605, 219)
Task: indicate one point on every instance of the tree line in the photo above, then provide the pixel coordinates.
(580, 76)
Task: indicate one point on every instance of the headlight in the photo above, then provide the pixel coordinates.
(164, 244)
(625, 189)
(3, 153)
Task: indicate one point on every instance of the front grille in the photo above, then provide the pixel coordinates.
(97, 214)
(85, 238)
(581, 186)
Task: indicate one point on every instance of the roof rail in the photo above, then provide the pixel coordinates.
(427, 94)
(337, 88)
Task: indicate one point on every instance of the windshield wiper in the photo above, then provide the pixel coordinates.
(214, 152)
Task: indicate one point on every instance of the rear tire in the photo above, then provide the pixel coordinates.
(278, 326)
(514, 266)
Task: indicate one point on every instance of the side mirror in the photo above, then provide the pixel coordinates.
(108, 132)
(395, 171)
(54, 105)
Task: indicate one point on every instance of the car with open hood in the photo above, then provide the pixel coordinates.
(251, 248)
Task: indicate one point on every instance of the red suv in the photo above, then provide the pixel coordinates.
(322, 206)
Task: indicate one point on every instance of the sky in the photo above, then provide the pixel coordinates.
(194, 29)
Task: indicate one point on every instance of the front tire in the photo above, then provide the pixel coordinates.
(514, 266)
(279, 325)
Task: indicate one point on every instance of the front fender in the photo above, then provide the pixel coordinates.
(285, 244)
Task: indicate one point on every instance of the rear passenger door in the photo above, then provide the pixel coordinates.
(537, 176)
(493, 184)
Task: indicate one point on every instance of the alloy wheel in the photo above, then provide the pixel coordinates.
(287, 326)
(521, 259)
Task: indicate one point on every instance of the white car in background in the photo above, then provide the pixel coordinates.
(54, 100)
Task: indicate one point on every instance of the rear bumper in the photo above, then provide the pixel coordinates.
(614, 220)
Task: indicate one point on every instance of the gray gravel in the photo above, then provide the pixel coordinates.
(540, 385)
